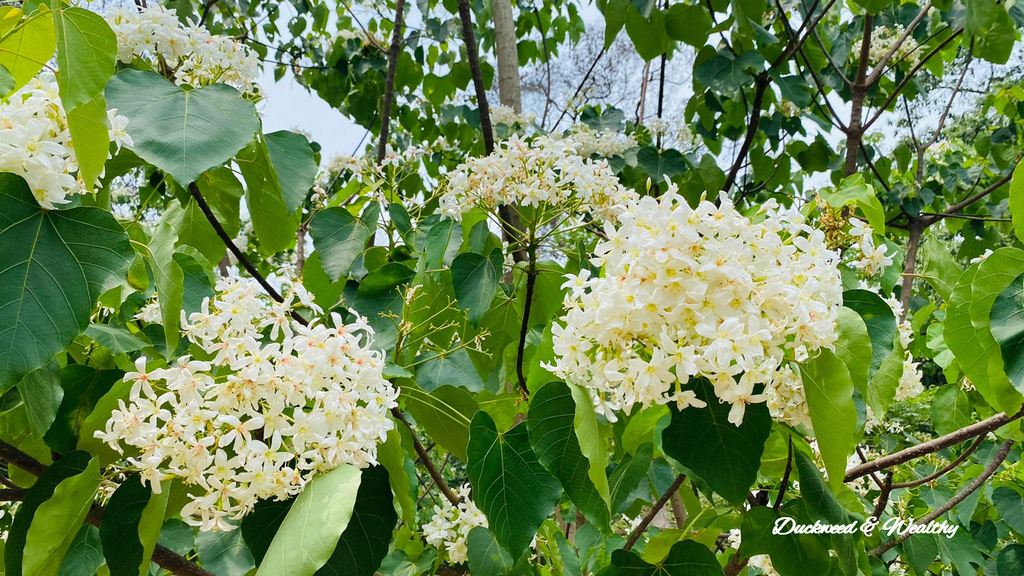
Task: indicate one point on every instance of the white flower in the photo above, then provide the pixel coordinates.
(448, 529)
(542, 171)
(197, 57)
(910, 380)
(699, 293)
(264, 414)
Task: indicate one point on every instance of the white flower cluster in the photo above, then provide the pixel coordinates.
(786, 400)
(905, 331)
(35, 142)
(195, 56)
(588, 142)
(274, 404)
(674, 133)
(542, 171)
(871, 260)
(508, 116)
(884, 38)
(450, 526)
(703, 293)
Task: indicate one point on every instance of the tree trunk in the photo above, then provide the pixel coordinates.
(509, 86)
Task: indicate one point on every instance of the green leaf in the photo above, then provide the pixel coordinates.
(28, 46)
(57, 521)
(445, 414)
(689, 23)
(592, 445)
(1011, 560)
(83, 387)
(53, 268)
(339, 239)
(550, 424)
(1010, 505)
(18, 556)
(686, 558)
(391, 454)
(951, 409)
(880, 322)
(829, 391)
(1016, 200)
(475, 279)
(509, 484)
(853, 347)
(1007, 321)
(292, 158)
(791, 554)
(365, 542)
(88, 126)
(6, 81)
(454, 369)
(855, 191)
(41, 392)
(718, 452)
(314, 525)
(937, 266)
(486, 556)
(968, 330)
(661, 164)
(122, 545)
(86, 55)
(169, 279)
(274, 226)
(648, 34)
(628, 475)
(224, 553)
(615, 18)
(115, 338)
(85, 555)
(182, 132)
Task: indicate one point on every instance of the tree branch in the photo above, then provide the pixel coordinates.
(389, 81)
(997, 459)
(425, 458)
(755, 119)
(205, 208)
(963, 204)
(932, 446)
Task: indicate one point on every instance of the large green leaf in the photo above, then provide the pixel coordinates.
(28, 46)
(70, 465)
(445, 414)
(880, 322)
(1011, 560)
(120, 534)
(1010, 505)
(722, 454)
(169, 279)
(292, 158)
(364, 544)
(339, 238)
(951, 409)
(53, 267)
(937, 266)
(85, 555)
(401, 473)
(182, 132)
(1007, 320)
(88, 127)
(314, 525)
(260, 525)
(968, 330)
(1016, 200)
(630, 473)
(224, 553)
(510, 485)
(588, 432)
(273, 224)
(854, 347)
(86, 55)
(686, 558)
(550, 423)
(486, 556)
(57, 521)
(829, 391)
(452, 369)
(474, 279)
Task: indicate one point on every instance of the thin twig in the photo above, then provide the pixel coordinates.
(425, 458)
(755, 119)
(944, 470)
(785, 477)
(646, 521)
